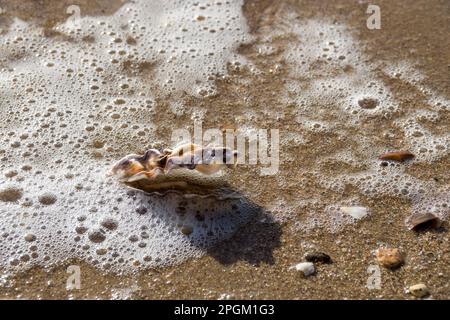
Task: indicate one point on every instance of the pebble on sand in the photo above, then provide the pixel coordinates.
(318, 257)
(389, 257)
(30, 237)
(307, 268)
(419, 290)
(187, 230)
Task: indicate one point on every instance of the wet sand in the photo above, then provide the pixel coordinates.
(255, 263)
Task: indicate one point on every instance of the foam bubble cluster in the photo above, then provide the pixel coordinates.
(113, 229)
(338, 93)
(75, 99)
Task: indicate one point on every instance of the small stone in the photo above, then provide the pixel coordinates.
(30, 237)
(307, 268)
(187, 230)
(389, 258)
(419, 290)
(355, 212)
(318, 257)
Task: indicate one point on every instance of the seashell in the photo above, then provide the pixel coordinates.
(188, 183)
(355, 212)
(189, 169)
(153, 163)
(397, 156)
(420, 221)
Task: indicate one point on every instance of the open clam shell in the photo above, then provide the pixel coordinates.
(188, 182)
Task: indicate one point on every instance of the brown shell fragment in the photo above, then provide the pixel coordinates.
(421, 221)
(397, 156)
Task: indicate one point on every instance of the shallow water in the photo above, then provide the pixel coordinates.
(78, 93)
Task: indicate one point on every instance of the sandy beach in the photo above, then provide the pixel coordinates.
(82, 88)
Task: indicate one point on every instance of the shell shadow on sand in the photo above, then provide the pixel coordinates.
(220, 222)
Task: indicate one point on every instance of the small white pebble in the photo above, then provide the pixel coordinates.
(419, 290)
(307, 268)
